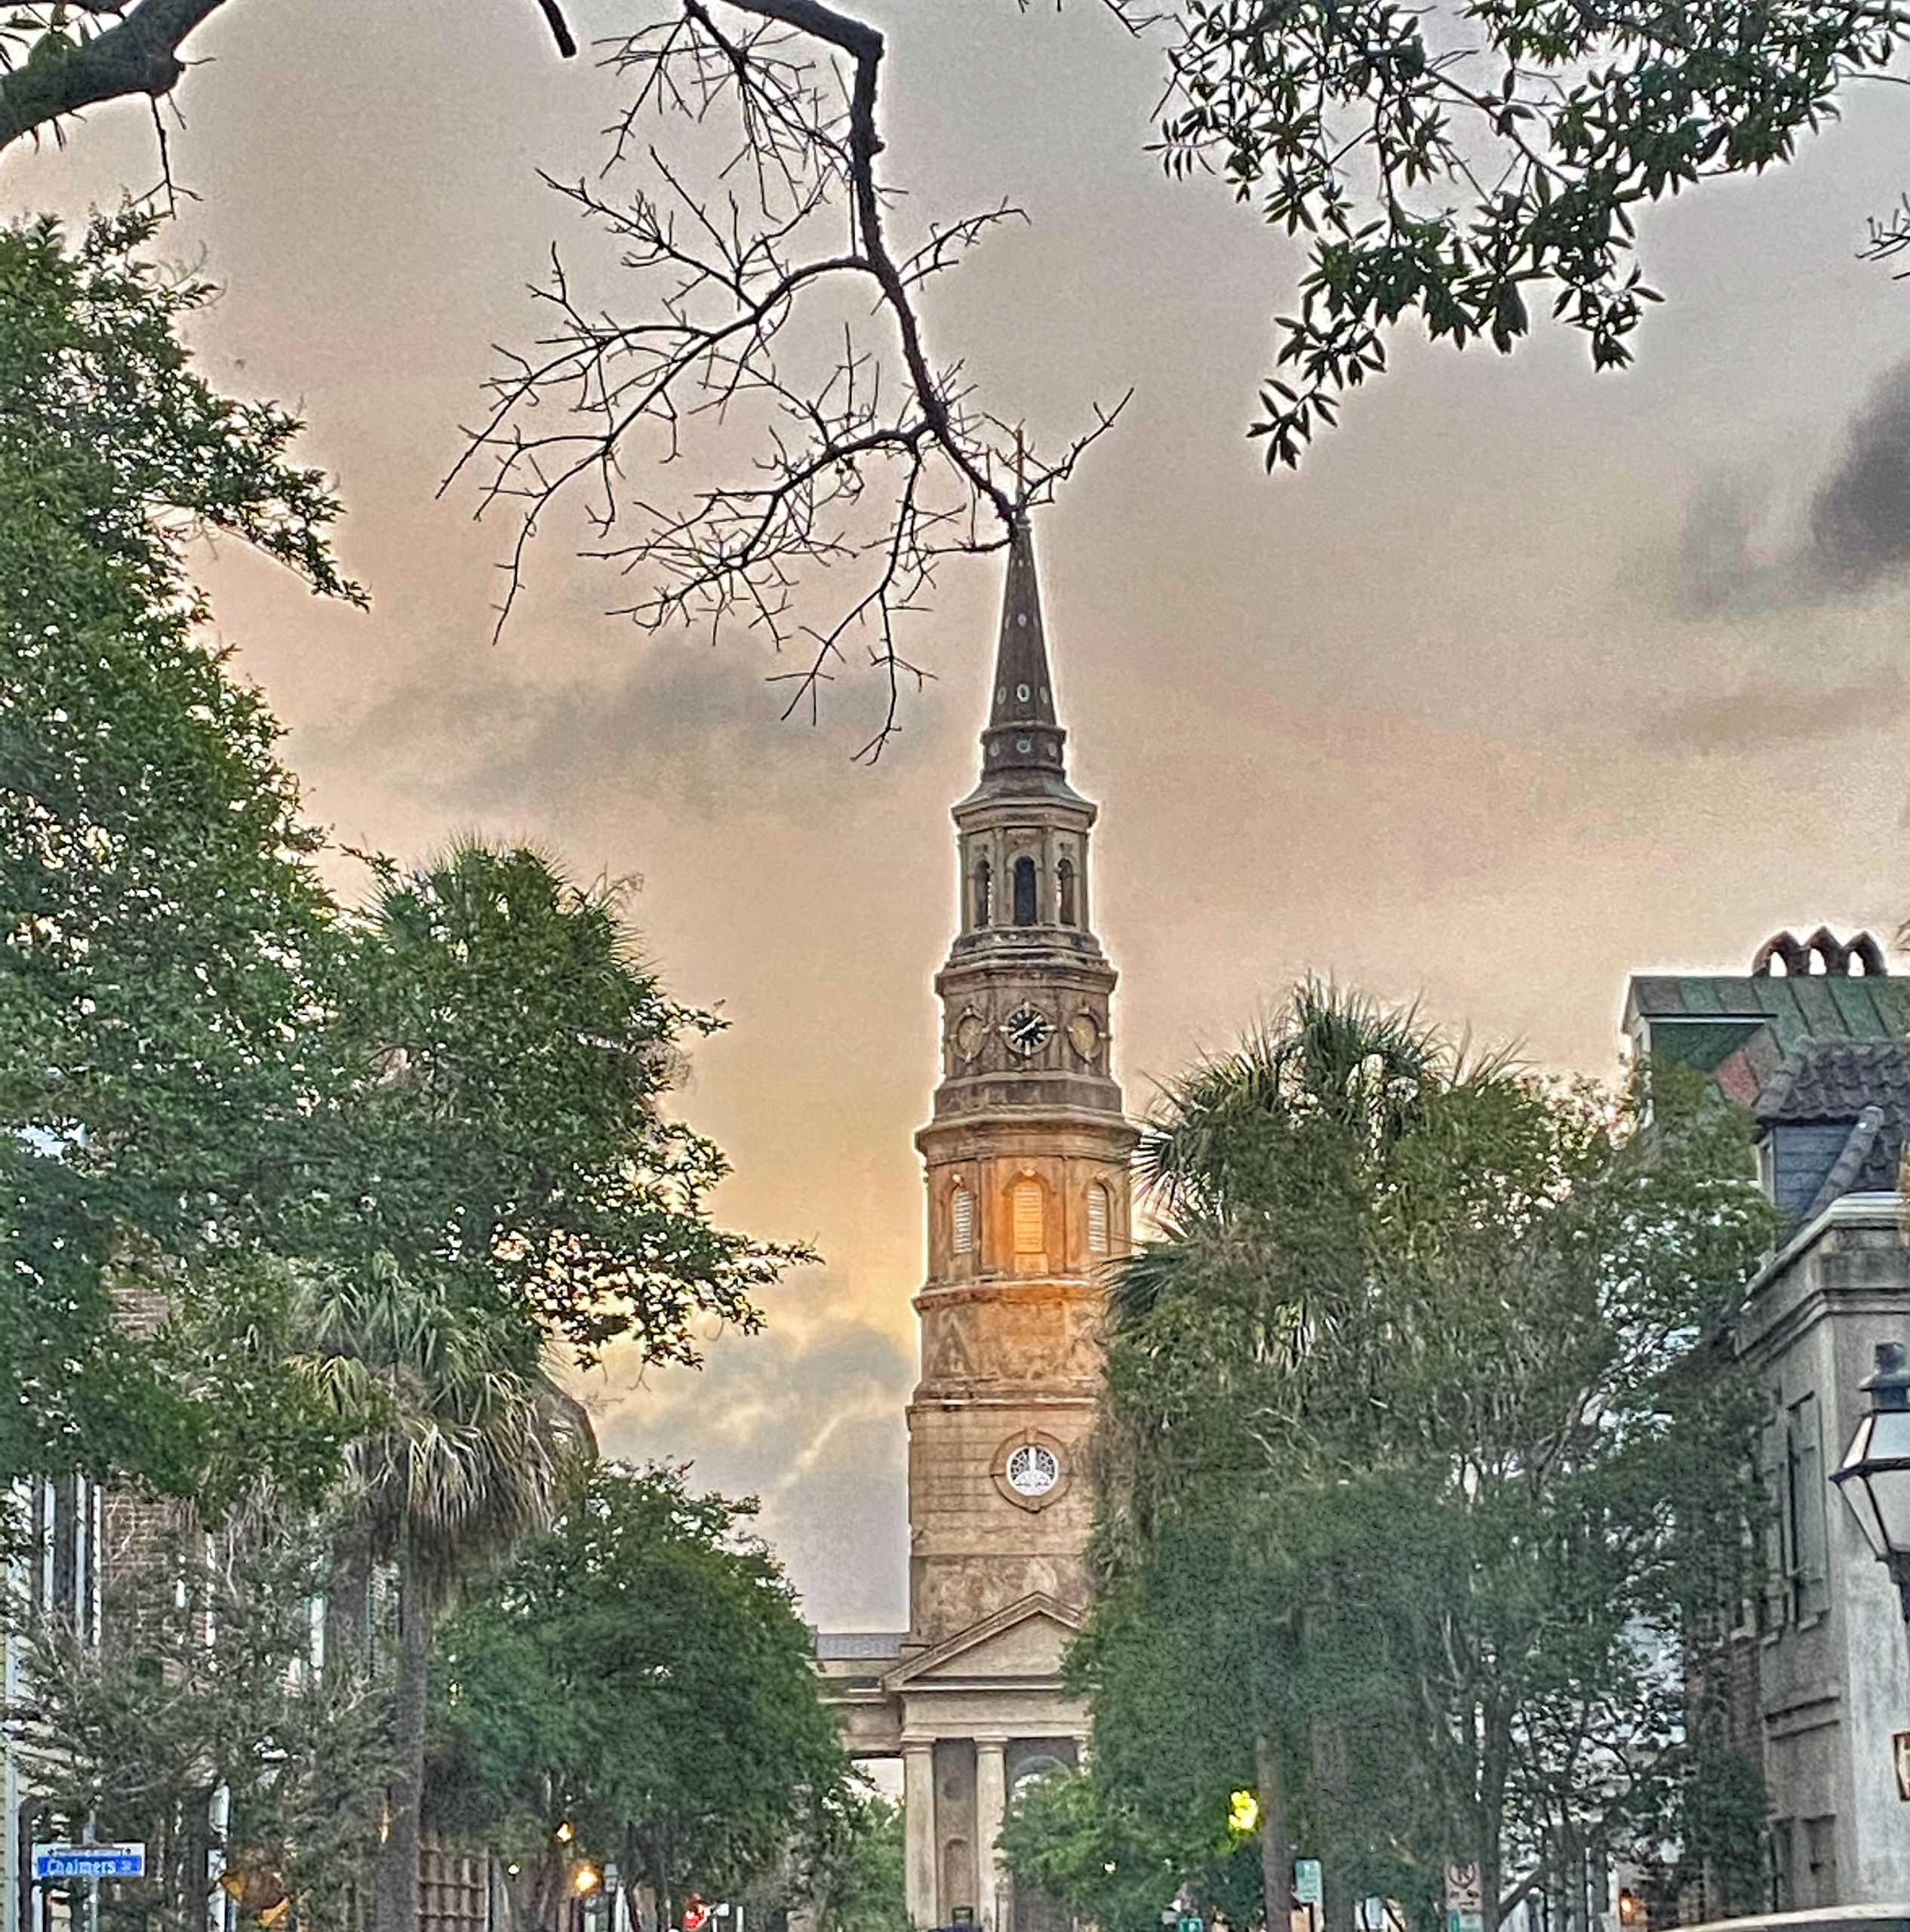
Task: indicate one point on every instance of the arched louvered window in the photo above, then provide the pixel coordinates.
(961, 1218)
(984, 906)
(1028, 1206)
(1025, 911)
(1064, 881)
(1099, 1215)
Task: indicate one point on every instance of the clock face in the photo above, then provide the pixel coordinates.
(1027, 1029)
(1032, 1470)
(970, 1032)
(1084, 1034)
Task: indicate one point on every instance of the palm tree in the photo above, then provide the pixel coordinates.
(1335, 1075)
(1263, 1166)
(461, 1451)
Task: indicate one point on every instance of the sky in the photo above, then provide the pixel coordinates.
(1529, 679)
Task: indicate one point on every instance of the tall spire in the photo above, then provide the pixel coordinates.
(1022, 734)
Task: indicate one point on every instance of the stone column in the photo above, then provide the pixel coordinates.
(991, 1807)
(918, 1828)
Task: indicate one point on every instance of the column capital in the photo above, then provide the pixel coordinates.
(991, 1740)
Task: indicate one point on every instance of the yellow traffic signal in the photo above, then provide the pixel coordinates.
(1243, 1812)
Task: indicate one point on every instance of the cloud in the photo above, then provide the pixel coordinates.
(811, 1420)
(466, 727)
(1758, 717)
(1860, 532)
(1750, 548)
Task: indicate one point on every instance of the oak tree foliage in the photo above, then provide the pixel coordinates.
(759, 428)
(211, 1067)
(640, 1680)
(1411, 1481)
(157, 894)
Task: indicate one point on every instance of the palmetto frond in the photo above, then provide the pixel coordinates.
(1329, 1053)
(460, 1450)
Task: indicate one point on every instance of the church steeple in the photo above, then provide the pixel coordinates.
(1026, 1162)
(1022, 734)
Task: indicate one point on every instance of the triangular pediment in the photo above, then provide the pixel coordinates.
(1026, 1640)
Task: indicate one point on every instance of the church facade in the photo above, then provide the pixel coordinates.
(1026, 1160)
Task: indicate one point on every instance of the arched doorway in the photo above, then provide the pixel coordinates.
(1035, 1912)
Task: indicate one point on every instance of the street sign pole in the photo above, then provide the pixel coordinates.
(92, 1862)
(1465, 1900)
(1310, 1889)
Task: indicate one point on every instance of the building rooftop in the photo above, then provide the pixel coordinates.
(1817, 1057)
(846, 1646)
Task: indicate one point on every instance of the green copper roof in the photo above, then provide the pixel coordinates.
(1812, 1007)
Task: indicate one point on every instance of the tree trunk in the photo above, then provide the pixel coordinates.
(549, 1895)
(1329, 1811)
(348, 1632)
(1276, 1837)
(1495, 1763)
(395, 1900)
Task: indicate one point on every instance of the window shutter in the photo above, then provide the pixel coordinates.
(964, 1218)
(1030, 1233)
(1097, 1219)
(1776, 1564)
(1811, 1555)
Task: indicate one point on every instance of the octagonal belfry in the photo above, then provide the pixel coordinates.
(1026, 1159)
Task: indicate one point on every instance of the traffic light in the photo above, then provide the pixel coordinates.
(1631, 1910)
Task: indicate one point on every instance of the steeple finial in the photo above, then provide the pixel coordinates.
(1022, 733)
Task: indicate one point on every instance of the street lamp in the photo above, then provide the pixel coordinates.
(1873, 1477)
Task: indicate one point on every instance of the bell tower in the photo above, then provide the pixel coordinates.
(1026, 1161)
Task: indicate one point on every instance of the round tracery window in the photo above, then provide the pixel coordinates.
(1032, 1470)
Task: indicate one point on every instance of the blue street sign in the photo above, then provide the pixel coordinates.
(89, 1861)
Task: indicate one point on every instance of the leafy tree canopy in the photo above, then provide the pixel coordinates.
(1074, 1839)
(1411, 1482)
(518, 1049)
(641, 1680)
(156, 883)
(850, 1867)
(216, 1082)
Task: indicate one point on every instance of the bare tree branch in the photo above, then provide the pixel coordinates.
(63, 72)
(53, 64)
(560, 31)
(871, 460)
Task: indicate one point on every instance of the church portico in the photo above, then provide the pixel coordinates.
(962, 1786)
(1025, 1159)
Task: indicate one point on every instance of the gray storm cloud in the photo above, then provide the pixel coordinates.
(1746, 551)
(1767, 561)
(1757, 717)
(1859, 528)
